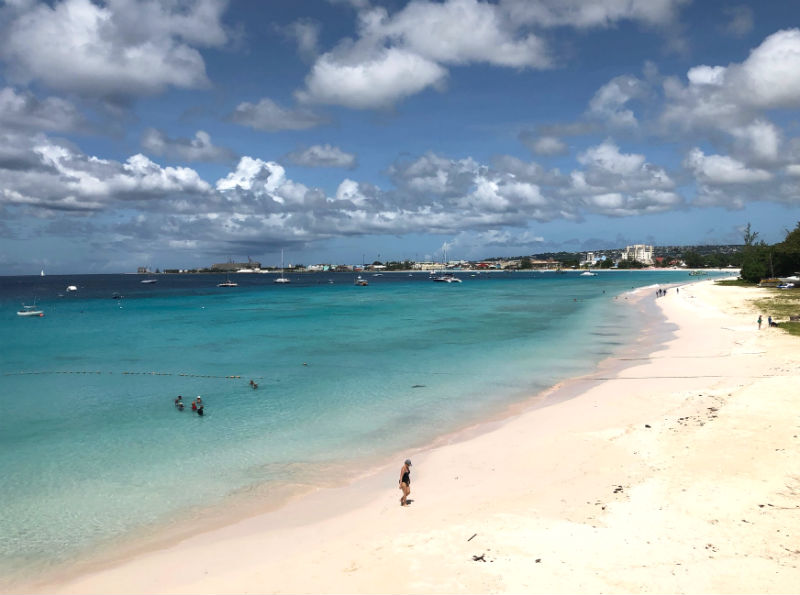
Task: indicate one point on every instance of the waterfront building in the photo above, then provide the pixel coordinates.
(640, 252)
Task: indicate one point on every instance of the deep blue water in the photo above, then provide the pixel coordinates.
(92, 449)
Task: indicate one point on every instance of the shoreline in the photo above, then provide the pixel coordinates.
(345, 533)
(247, 506)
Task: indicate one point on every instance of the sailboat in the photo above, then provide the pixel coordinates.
(30, 310)
(42, 273)
(443, 276)
(227, 282)
(282, 279)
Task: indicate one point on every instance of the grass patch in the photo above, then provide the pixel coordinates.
(735, 283)
(780, 305)
(793, 328)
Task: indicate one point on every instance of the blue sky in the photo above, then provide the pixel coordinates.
(178, 133)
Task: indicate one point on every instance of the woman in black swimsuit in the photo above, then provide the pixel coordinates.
(405, 482)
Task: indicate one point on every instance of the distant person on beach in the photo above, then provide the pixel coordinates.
(199, 400)
(194, 405)
(200, 410)
(405, 481)
(769, 320)
(179, 403)
(759, 322)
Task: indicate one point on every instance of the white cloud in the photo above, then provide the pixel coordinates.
(323, 156)
(543, 145)
(608, 158)
(115, 51)
(721, 169)
(59, 177)
(199, 148)
(609, 102)
(375, 82)
(598, 13)
(22, 110)
(458, 32)
(770, 77)
(269, 116)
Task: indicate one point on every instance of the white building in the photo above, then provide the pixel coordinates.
(640, 252)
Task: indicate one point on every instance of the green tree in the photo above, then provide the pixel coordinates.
(755, 257)
(525, 263)
(693, 260)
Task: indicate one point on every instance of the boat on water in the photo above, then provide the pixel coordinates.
(41, 274)
(588, 274)
(697, 273)
(72, 288)
(446, 278)
(361, 281)
(31, 310)
(282, 279)
(228, 283)
(149, 281)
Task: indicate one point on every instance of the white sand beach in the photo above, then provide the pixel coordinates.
(678, 472)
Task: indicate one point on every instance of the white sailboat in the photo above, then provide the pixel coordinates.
(282, 279)
(42, 273)
(228, 282)
(30, 310)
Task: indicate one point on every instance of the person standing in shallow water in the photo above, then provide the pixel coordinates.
(405, 481)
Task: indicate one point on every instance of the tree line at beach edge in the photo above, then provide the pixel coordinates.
(761, 260)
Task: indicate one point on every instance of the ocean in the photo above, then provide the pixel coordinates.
(93, 453)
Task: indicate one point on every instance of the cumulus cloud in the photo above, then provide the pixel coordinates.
(376, 82)
(269, 116)
(22, 110)
(199, 148)
(721, 169)
(60, 178)
(600, 13)
(459, 32)
(621, 184)
(115, 51)
(543, 145)
(610, 102)
(323, 156)
(734, 95)
(399, 54)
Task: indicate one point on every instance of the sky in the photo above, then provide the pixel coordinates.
(181, 133)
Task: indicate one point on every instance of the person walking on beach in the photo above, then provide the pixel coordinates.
(405, 481)
(759, 322)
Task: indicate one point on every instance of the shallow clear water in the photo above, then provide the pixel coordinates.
(92, 449)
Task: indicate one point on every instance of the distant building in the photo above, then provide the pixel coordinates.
(232, 267)
(640, 252)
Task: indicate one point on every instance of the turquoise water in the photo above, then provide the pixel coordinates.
(92, 449)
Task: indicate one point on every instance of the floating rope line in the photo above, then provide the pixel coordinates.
(186, 375)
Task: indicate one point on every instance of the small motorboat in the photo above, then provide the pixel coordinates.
(361, 281)
(72, 288)
(446, 278)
